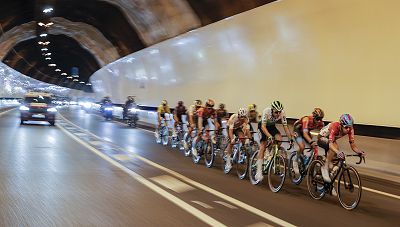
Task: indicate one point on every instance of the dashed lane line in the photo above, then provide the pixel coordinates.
(205, 205)
(172, 183)
(182, 204)
(226, 204)
(232, 200)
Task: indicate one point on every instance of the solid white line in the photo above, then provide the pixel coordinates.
(182, 204)
(208, 189)
(226, 204)
(205, 205)
(4, 112)
(382, 193)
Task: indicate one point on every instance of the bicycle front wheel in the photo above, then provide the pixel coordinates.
(315, 181)
(209, 154)
(276, 173)
(349, 188)
(253, 168)
(242, 163)
(293, 169)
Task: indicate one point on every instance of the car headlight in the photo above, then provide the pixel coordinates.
(24, 108)
(52, 109)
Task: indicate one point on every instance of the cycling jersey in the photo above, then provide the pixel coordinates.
(235, 122)
(332, 132)
(193, 110)
(206, 113)
(180, 110)
(163, 110)
(222, 113)
(307, 123)
(253, 117)
(269, 120)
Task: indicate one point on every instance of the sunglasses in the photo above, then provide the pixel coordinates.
(347, 127)
(277, 112)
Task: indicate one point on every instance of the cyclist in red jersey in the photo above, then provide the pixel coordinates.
(203, 114)
(327, 140)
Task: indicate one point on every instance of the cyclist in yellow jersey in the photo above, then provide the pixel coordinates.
(162, 109)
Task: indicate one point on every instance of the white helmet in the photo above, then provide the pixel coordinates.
(242, 112)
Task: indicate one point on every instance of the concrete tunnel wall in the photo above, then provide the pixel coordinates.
(340, 55)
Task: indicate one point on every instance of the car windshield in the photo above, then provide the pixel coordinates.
(38, 99)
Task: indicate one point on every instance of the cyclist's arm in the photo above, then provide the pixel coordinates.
(306, 135)
(200, 123)
(285, 127)
(352, 142)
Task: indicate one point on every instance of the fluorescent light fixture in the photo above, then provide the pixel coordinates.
(45, 49)
(52, 65)
(58, 70)
(48, 58)
(48, 10)
(43, 35)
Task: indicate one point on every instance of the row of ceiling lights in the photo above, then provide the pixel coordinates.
(47, 54)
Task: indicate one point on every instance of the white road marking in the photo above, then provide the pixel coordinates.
(96, 143)
(205, 188)
(172, 183)
(259, 224)
(80, 134)
(205, 205)
(182, 204)
(122, 157)
(4, 112)
(226, 204)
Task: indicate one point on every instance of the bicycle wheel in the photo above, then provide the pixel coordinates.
(349, 188)
(315, 182)
(209, 155)
(296, 178)
(196, 158)
(242, 162)
(277, 173)
(253, 168)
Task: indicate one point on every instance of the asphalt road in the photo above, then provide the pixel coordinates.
(87, 171)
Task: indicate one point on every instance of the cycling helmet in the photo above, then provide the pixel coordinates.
(221, 106)
(252, 107)
(197, 102)
(164, 102)
(210, 103)
(180, 103)
(318, 113)
(242, 112)
(277, 105)
(346, 120)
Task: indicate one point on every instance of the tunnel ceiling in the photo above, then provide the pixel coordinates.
(89, 34)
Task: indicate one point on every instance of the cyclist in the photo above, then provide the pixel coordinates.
(130, 103)
(222, 114)
(192, 119)
(301, 132)
(237, 127)
(204, 113)
(253, 115)
(179, 110)
(162, 109)
(269, 132)
(327, 140)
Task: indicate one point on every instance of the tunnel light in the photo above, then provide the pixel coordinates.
(76, 76)
(81, 82)
(47, 54)
(41, 24)
(52, 65)
(69, 77)
(48, 10)
(89, 84)
(48, 58)
(58, 70)
(49, 24)
(75, 80)
(43, 35)
(63, 74)
(44, 43)
(45, 49)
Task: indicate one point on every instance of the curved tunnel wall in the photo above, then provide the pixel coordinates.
(339, 55)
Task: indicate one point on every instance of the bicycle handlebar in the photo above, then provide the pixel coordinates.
(361, 158)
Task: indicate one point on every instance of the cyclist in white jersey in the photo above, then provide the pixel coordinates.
(271, 115)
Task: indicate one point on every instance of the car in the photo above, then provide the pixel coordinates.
(38, 106)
